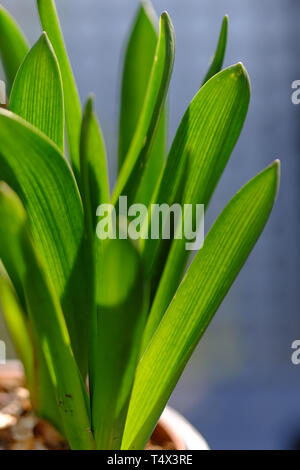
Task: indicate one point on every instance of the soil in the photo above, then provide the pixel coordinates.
(21, 429)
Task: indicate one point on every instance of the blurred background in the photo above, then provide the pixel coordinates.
(240, 389)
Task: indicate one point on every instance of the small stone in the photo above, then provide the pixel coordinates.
(11, 376)
(24, 429)
(7, 421)
(5, 399)
(14, 408)
(22, 393)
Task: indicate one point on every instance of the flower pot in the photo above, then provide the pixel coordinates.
(21, 429)
(181, 432)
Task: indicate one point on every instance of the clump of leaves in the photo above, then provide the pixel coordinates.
(119, 312)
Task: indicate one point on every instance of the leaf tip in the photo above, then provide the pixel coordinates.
(240, 72)
(44, 41)
(276, 166)
(271, 176)
(89, 107)
(165, 17)
(224, 29)
(91, 100)
(44, 38)
(167, 25)
(240, 68)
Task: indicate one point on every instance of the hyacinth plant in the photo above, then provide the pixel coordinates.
(123, 314)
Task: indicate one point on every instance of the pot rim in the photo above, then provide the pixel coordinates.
(181, 431)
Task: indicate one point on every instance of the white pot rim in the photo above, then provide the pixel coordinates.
(173, 420)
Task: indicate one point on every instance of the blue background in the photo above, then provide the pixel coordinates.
(240, 388)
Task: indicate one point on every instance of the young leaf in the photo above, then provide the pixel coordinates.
(50, 24)
(133, 170)
(17, 325)
(121, 316)
(37, 375)
(95, 191)
(206, 283)
(38, 381)
(37, 94)
(202, 146)
(93, 167)
(48, 324)
(218, 58)
(13, 46)
(138, 62)
(40, 175)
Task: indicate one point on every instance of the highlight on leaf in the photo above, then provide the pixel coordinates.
(37, 94)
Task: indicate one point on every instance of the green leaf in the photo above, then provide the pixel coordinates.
(50, 24)
(138, 62)
(206, 283)
(137, 159)
(47, 320)
(17, 325)
(13, 46)
(38, 380)
(93, 165)
(40, 175)
(218, 58)
(155, 164)
(95, 191)
(121, 315)
(202, 146)
(37, 94)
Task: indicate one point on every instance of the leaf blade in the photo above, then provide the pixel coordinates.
(37, 94)
(95, 191)
(206, 283)
(42, 395)
(133, 170)
(93, 166)
(138, 62)
(202, 146)
(121, 314)
(218, 58)
(17, 325)
(13, 46)
(49, 328)
(33, 166)
(136, 71)
(50, 24)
